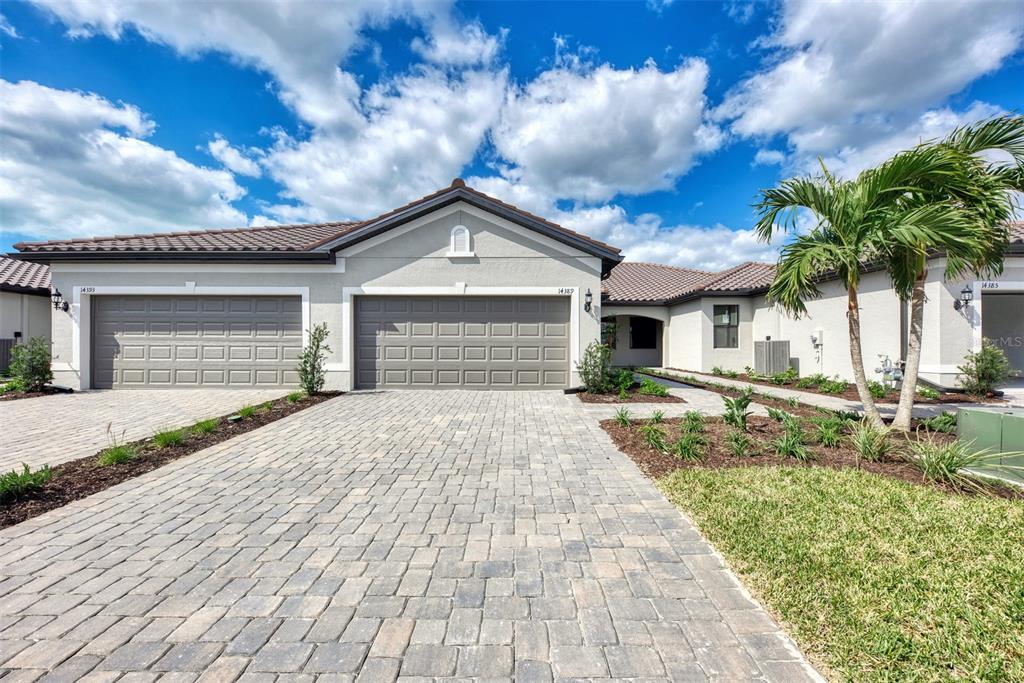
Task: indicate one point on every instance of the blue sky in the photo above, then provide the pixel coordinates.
(648, 125)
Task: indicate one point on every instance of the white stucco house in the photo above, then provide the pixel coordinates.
(24, 304)
(658, 315)
(454, 290)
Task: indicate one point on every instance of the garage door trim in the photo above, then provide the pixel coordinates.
(81, 311)
(348, 356)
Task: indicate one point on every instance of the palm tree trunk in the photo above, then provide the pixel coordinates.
(857, 359)
(905, 411)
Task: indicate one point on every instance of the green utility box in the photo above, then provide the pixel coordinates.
(1000, 430)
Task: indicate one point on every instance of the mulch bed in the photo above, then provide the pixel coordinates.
(83, 477)
(632, 396)
(851, 393)
(762, 431)
(46, 391)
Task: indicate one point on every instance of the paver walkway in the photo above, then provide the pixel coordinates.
(424, 535)
(53, 429)
(835, 402)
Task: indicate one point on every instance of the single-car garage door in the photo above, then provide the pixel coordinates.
(462, 342)
(195, 341)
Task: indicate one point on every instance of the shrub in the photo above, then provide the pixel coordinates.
(623, 418)
(791, 443)
(778, 415)
(739, 444)
(828, 430)
(736, 412)
(653, 435)
(693, 422)
(732, 374)
(870, 442)
(623, 381)
(690, 446)
(847, 415)
(951, 462)
(945, 423)
(657, 417)
(595, 367)
(30, 364)
(171, 437)
(811, 381)
(313, 360)
(648, 387)
(928, 393)
(13, 385)
(717, 371)
(792, 402)
(983, 372)
(246, 412)
(14, 484)
(833, 386)
(295, 396)
(787, 377)
(877, 389)
(115, 455)
(206, 426)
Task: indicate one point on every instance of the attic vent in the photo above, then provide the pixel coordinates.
(460, 245)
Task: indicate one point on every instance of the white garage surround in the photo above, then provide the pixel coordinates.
(81, 311)
(979, 288)
(347, 363)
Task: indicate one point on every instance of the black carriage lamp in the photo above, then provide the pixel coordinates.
(58, 301)
(966, 296)
(588, 299)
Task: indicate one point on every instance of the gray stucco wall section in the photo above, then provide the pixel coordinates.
(407, 260)
(24, 313)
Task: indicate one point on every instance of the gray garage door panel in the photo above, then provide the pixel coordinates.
(195, 341)
(462, 342)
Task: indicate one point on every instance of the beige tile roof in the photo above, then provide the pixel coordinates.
(277, 238)
(651, 282)
(744, 277)
(22, 275)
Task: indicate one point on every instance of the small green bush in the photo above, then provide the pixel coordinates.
(811, 381)
(833, 386)
(115, 455)
(170, 437)
(717, 371)
(877, 389)
(732, 374)
(950, 462)
(871, 442)
(985, 371)
(14, 484)
(787, 377)
(690, 446)
(945, 423)
(246, 412)
(206, 426)
(648, 387)
(791, 443)
(657, 417)
(295, 396)
(654, 435)
(313, 360)
(928, 393)
(778, 415)
(736, 412)
(623, 418)
(623, 381)
(740, 445)
(13, 385)
(30, 364)
(693, 422)
(595, 368)
(828, 430)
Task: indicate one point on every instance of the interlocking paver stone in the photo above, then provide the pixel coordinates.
(385, 535)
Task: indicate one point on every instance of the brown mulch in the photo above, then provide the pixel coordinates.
(762, 431)
(83, 477)
(45, 391)
(851, 393)
(632, 396)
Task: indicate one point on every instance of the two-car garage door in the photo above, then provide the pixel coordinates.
(462, 342)
(195, 341)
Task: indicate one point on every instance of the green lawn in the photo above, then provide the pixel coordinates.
(877, 579)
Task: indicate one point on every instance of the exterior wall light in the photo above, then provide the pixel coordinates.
(966, 296)
(588, 299)
(58, 301)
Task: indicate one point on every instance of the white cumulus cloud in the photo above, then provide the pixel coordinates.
(74, 163)
(233, 158)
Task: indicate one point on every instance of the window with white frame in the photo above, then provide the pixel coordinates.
(461, 242)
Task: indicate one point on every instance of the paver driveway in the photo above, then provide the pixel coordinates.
(53, 429)
(468, 534)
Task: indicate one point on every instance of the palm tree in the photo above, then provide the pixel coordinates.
(980, 199)
(848, 215)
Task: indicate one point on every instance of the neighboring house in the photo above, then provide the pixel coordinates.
(455, 290)
(24, 304)
(698, 320)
